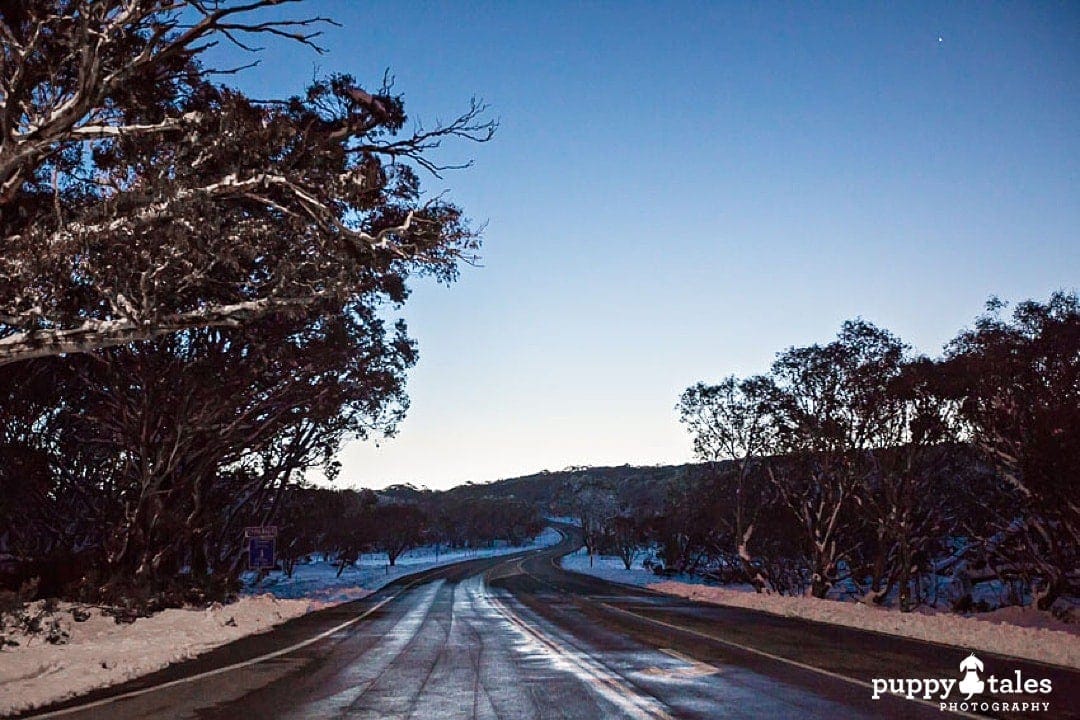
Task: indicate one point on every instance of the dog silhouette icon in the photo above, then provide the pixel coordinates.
(971, 685)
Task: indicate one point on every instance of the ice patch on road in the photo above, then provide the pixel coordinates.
(361, 675)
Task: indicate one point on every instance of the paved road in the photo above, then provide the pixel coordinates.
(520, 638)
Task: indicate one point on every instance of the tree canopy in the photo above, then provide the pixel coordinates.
(139, 198)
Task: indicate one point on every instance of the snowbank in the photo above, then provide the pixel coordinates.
(100, 653)
(1019, 632)
(1036, 636)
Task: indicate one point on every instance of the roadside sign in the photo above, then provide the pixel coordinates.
(261, 546)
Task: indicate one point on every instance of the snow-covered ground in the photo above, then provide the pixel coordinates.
(1014, 631)
(612, 568)
(100, 652)
(318, 581)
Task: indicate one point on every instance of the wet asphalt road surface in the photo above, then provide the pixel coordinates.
(520, 638)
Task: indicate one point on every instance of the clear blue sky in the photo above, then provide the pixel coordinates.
(678, 191)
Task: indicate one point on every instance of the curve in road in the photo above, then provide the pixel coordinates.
(519, 638)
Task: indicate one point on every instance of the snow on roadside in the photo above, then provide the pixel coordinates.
(608, 567)
(1017, 632)
(611, 568)
(1059, 647)
(100, 652)
(318, 581)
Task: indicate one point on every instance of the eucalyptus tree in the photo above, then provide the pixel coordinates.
(138, 198)
(1017, 380)
(733, 432)
(205, 429)
(825, 403)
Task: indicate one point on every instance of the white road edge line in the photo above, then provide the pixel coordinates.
(236, 666)
(782, 659)
(928, 643)
(753, 650)
(217, 671)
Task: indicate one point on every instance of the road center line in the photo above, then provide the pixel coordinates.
(605, 683)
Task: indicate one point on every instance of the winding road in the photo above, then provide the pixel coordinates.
(517, 637)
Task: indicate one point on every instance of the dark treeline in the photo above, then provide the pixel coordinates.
(851, 466)
(340, 525)
(130, 474)
(856, 465)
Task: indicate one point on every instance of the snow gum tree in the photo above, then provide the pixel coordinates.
(138, 198)
(594, 506)
(911, 457)
(398, 527)
(823, 406)
(1018, 383)
(729, 421)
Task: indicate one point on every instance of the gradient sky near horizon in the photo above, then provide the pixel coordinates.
(678, 191)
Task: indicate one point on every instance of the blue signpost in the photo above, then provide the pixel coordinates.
(261, 547)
